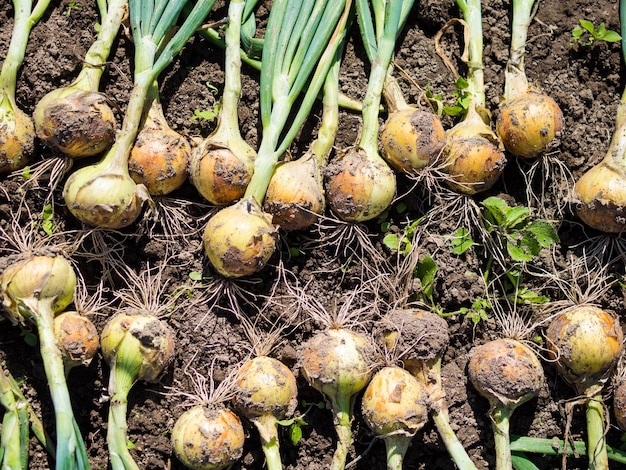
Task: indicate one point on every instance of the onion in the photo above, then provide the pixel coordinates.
(221, 165)
(394, 407)
(208, 438)
(586, 342)
(160, 156)
(77, 338)
(17, 138)
(619, 402)
(265, 393)
(338, 363)
(246, 250)
(507, 373)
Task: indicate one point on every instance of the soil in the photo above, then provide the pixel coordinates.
(586, 82)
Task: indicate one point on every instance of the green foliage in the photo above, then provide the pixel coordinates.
(208, 115)
(513, 228)
(478, 310)
(30, 338)
(47, 222)
(436, 100)
(586, 34)
(426, 271)
(462, 101)
(461, 241)
(73, 5)
(294, 425)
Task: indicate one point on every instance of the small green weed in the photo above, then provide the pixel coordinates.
(586, 34)
(73, 5)
(47, 220)
(462, 100)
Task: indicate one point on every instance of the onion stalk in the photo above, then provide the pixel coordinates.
(586, 342)
(359, 184)
(419, 338)
(472, 156)
(76, 119)
(104, 194)
(395, 407)
(35, 289)
(600, 193)
(528, 120)
(17, 131)
(221, 166)
(298, 51)
(507, 373)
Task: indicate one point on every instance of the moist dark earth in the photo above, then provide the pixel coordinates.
(585, 80)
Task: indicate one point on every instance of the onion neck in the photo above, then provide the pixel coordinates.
(94, 63)
(516, 83)
(500, 416)
(615, 157)
(323, 144)
(267, 426)
(472, 14)
(396, 447)
(342, 406)
(596, 444)
(393, 95)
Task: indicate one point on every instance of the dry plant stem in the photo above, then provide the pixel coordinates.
(500, 417)
(596, 443)
(429, 374)
(120, 383)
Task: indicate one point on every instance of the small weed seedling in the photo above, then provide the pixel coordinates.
(462, 101)
(73, 6)
(586, 34)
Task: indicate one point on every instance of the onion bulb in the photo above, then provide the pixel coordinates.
(136, 347)
(295, 195)
(507, 373)
(265, 393)
(395, 407)
(77, 338)
(160, 156)
(359, 186)
(240, 239)
(619, 402)
(17, 138)
(338, 363)
(208, 438)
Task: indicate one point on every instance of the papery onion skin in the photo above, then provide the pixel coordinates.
(394, 401)
(159, 158)
(240, 239)
(585, 343)
(601, 198)
(505, 371)
(77, 338)
(17, 141)
(208, 438)
(528, 124)
(295, 196)
(412, 139)
(265, 386)
(220, 171)
(474, 164)
(359, 187)
(75, 122)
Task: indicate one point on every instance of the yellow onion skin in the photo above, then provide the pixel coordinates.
(159, 158)
(412, 139)
(295, 194)
(359, 187)
(265, 386)
(221, 169)
(106, 199)
(394, 400)
(208, 438)
(585, 343)
(619, 403)
(600, 195)
(505, 371)
(474, 164)
(240, 239)
(337, 362)
(146, 343)
(17, 140)
(528, 124)
(75, 122)
(50, 279)
(77, 338)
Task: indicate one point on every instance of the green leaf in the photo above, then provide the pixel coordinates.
(391, 241)
(577, 33)
(588, 25)
(195, 276)
(518, 253)
(461, 241)
(521, 462)
(611, 36)
(130, 445)
(462, 83)
(295, 434)
(425, 271)
(529, 297)
(516, 217)
(545, 233)
(496, 210)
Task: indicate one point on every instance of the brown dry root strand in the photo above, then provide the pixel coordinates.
(77, 338)
(528, 125)
(208, 437)
(159, 158)
(474, 164)
(601, 198)
(17, 141)
(412, 139)
(359, 187)
(240, 239)
(295, 195)
(78, 124)
(585, 342)
(220, 172)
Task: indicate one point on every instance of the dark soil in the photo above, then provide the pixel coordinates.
(586, 82)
